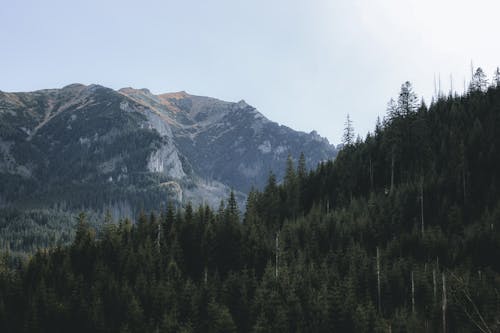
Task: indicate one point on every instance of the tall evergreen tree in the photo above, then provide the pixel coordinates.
(348, 137)
(407, 100)
(496, 78)
(214, 273)
(301, 167)
(479, 82)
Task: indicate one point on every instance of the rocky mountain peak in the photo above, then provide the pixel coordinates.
(134, 91)
(242, 104)
(86, 137)
(73, 86)
(175, 95)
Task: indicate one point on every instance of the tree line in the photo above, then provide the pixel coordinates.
(399, 234)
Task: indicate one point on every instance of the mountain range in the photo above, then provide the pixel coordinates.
(90, 146)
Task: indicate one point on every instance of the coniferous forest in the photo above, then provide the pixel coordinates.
(400, 233)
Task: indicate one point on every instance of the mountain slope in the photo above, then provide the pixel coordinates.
(232, 142)
(334, 250)
(58, 146)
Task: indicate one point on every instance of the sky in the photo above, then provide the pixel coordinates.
(305, 64)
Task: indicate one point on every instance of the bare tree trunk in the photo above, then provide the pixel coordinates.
(464, 171)
(392, 171)
(371, 174)
(435, 87)
(158, 237)
(277, 252)
(434, 283)
(481, 324)
(439, 89)
(463, 182)
(378, 282)
(412, 294)
(422, 205)
(451, 85)
(444, 303)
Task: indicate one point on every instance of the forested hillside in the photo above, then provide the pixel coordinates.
(101, 150)
(401, 233)
(95, 148)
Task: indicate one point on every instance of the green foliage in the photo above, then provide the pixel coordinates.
(25, 231)
(199, 270)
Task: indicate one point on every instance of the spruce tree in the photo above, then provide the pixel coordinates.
(407, 101)
(496, 78)
(479, 82)
(348, 137)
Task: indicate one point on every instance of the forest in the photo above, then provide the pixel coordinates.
(400, 233)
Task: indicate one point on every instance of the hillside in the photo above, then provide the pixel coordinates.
(231, 142)
(127, 150)
(400, 233)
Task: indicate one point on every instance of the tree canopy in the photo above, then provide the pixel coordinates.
(352, 255)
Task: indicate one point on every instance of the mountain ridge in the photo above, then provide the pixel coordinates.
(80, 135)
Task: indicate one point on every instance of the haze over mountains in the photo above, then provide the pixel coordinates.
(91, 146)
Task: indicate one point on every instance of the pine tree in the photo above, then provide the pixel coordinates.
(479, 82)
(407, 101)
(290, 176)
(496, 78)
(393, 112)
(301, 167)
(216, 274)
(348, 137)
(188, 213)
(232, 208)
(84, 234)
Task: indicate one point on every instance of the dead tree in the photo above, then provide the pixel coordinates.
(434, 283)
(422, 205)
(371, 174)
(158, 239)
(444, 303)
(378, 282)
(467, 302)
(392, 171)
(277, 252)
(412, 294)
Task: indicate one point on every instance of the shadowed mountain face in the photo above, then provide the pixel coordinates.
(231, 142)
(93, 146)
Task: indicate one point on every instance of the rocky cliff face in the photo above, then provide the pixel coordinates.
(231, 142)
(93, 146)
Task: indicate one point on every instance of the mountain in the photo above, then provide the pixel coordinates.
(92, 146)
(401, 233)
(231, 142)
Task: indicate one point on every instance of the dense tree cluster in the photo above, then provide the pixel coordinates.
(26, 231)
(400, 233)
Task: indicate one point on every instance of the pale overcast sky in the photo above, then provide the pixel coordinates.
(304, 64)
